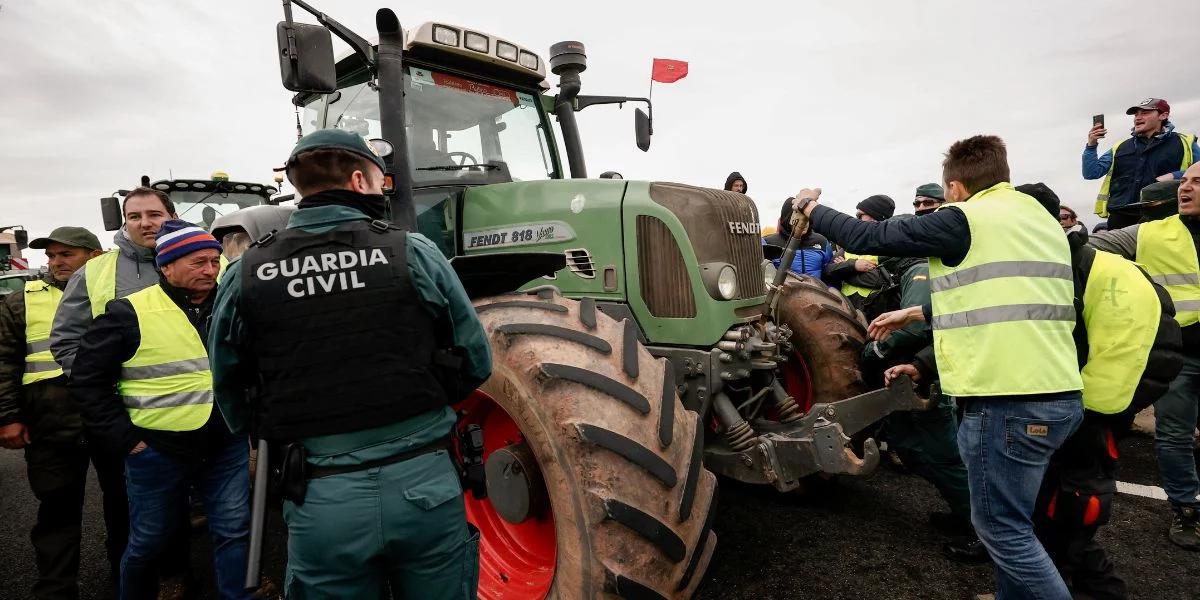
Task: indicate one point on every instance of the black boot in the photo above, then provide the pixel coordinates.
(967, 550)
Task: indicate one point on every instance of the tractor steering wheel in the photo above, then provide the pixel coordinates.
(464, 156)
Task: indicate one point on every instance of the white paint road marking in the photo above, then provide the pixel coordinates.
(1145, 491)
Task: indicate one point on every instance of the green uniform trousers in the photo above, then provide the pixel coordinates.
(927, 443)
(401, 527)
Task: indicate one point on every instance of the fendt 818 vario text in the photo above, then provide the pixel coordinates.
(638, 347)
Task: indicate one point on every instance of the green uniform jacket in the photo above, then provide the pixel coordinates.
(45, 407)
(912, 342)
(435, 282)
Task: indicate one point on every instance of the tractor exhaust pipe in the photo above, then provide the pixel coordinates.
(568, 60)
(390, 65)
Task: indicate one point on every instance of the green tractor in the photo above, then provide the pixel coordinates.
(638, 349)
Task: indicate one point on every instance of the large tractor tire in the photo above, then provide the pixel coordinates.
(619, 503)
(828, 334)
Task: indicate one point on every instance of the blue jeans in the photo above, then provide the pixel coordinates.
(1006, 444)
(158, 486)
(1175, 422)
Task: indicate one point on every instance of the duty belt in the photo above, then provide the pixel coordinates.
(312, 471)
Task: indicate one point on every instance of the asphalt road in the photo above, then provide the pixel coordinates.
(855, 539)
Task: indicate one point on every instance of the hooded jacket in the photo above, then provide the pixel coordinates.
(813, 255)
(734, 176)
(45, 407)
(135, 271)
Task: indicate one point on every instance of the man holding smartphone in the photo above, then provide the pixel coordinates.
(1154, 151)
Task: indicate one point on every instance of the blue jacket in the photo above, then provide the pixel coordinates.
(1141, 160)
(811, 257)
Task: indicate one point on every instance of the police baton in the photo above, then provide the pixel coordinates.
(258, 511)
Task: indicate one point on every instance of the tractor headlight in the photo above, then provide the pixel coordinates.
(720, 279)
(477, 42)
(445, 35)
(768, 271)
(529, 60)
(506, 51)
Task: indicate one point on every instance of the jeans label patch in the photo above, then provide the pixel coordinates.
(1038, 430)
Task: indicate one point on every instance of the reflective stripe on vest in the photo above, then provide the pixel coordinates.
(41, 300)
(1102, 197)
(100, 274)
(1121, 313)
(1002, 319)
(1167, 251)
(854, 290)
(166, 385)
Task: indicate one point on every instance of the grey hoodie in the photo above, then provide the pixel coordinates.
(135, 271)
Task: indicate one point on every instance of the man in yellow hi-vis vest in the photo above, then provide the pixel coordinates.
(1168, 251)
(37, 414)
(143, 382)
(1155, 151)
(1002, 314)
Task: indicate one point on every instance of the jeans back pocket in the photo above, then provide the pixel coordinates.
(1032, 441)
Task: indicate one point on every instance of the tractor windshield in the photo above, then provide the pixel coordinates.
(203, 207)
(459, 129)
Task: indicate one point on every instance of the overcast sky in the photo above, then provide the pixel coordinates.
(857, 98)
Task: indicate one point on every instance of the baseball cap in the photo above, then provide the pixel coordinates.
(339, 139)
(1150, 104)
(71, 236)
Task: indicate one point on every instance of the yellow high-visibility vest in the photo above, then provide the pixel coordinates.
(1121, 312)
(1167, 251)
(1002, 319)
(166, 385)
(1102, 197)
(849, 290)
(101, 277)
(41, 300)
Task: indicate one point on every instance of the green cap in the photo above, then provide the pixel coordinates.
(71, 236)
(335, 138)
(1160, 190)
(931, 190)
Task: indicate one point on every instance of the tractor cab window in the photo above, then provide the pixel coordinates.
(460, 131)
(202, 206)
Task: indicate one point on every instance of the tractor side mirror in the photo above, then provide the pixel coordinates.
(110, 211)
(22, 238)
(307, 64)
(642, 129)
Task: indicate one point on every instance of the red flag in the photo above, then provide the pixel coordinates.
(666, 70)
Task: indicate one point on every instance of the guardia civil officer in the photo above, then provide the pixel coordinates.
(339, 327)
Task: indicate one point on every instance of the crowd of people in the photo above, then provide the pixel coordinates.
(1039, 342)
(135, 361)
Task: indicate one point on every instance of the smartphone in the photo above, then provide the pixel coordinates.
(1098, 120)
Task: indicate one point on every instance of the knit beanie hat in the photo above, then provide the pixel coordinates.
(880, 207)
(177, 239)
(1044, 195)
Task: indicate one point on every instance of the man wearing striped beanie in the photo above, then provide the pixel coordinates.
(143, 382)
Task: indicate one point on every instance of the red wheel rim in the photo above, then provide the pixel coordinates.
(798, 382)
(515, 561)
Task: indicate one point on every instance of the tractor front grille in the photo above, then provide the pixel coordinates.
(721, 227)
(662, 274)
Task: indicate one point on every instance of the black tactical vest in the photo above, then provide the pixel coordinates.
(339, 336)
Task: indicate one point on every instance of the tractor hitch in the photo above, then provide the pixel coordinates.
(784, 453)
